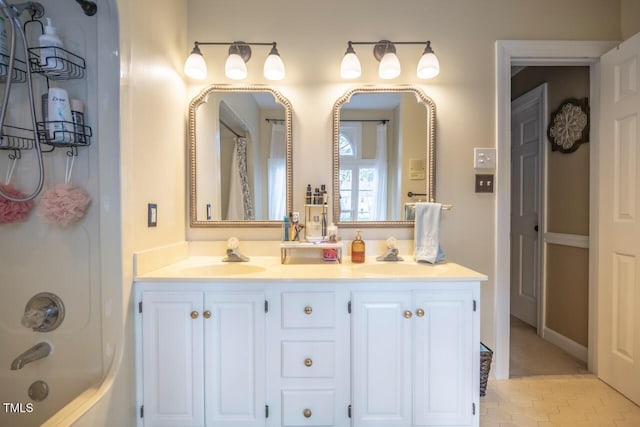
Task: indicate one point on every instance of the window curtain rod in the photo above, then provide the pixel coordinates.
(368, 120)
(274, 120)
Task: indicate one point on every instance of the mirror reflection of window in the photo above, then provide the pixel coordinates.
(277, 171)
(363, 170)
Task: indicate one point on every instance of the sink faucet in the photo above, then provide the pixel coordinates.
(38, 351)
(233, 251)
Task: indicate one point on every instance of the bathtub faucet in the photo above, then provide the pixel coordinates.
(38, 351)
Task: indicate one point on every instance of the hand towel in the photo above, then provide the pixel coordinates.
(427, 233)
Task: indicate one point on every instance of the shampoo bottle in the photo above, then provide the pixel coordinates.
(357, 249)
(59, 116)
(51, 53)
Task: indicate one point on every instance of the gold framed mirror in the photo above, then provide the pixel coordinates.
(240, 157)
(384, 155)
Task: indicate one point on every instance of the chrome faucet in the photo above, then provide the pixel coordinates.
(38, 351)
(233, 252)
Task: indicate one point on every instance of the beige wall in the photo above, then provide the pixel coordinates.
(463, 34)
(567, 206)
(629, 18)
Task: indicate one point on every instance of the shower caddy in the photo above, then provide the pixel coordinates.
(68, 66)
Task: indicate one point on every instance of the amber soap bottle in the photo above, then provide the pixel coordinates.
(357, 249)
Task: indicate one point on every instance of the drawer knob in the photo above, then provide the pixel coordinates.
(307, 413)
(194, 314)
(408, 314)
(419, 312)
(308, 362)
(308, 310)
(207, 314)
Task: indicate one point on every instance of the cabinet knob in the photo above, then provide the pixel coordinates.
(308, 362)
(207, 314)
(307, 413)
(408, 314)
(419, 312)
(194, 314)
(308, 310)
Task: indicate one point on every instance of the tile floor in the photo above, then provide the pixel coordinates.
(537, 399)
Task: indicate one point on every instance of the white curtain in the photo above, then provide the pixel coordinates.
(277, 172)
(381, 168)
(240, 204)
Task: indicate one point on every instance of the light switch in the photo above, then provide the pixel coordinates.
(484, 183)
(152, 215)
(484, 158)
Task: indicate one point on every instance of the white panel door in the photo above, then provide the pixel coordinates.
(618, 225)
(527, 141)
(381, 359)
(444, 359)
(172, 365)
(234, 359)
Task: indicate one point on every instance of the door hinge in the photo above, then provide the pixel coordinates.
(474, 305)
(349, 307)
(142, 411)
(266, 306)
(473, 408)
(140, 307)
(266, 411)
(349, 411)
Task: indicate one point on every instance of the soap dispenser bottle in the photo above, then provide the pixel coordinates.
(51, 57)
(357, 249)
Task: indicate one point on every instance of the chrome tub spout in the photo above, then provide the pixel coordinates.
(38, 351)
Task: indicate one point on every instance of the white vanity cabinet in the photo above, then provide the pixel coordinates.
(201, 357)
(415, 357)
(343, 348)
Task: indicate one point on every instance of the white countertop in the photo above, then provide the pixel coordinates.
(203, 268)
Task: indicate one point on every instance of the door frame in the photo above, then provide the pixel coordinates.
(535, 52)
(538, 94)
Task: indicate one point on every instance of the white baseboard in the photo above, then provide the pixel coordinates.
(573, 348)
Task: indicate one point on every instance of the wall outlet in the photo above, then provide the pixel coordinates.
(484, 158)
(484, 183)
(152, 215)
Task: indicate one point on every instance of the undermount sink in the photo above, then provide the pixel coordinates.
(226, 269)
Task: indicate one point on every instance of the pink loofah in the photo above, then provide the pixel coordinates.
(63, 204)
(11, 211)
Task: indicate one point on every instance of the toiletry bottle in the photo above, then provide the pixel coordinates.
(51, 53)
(59, 115)
(324, 195)
(285, 229)
(308, 195)
(357, 249)
(316, 197)
(77, 117)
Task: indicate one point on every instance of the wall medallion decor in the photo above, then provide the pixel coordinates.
(569, 125)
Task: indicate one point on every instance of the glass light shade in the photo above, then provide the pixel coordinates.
(195, 66)
(235, 68)
(350, 66)
(274, 67)
(428, 66)
(389, 66)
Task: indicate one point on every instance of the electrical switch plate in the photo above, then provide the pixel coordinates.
(484, 158)
(484, 183)
(152, 215)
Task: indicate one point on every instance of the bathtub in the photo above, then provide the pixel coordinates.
(18, 410)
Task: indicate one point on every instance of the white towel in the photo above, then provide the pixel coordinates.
(426, 237)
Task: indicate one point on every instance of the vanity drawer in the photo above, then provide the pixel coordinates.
(308, 310)
(307, 359)
(307, 407)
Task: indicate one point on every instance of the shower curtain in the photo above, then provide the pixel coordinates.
(277, 175)
(240, 203)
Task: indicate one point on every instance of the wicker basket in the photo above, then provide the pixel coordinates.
(485, 364)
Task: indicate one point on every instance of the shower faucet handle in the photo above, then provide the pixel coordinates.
(43, 313)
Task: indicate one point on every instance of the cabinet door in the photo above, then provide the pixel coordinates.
(172, 363)
(235, 359)
(444, 358)
(381, 359)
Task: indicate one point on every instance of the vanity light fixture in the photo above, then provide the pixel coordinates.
(385, 52)
(235, 66)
